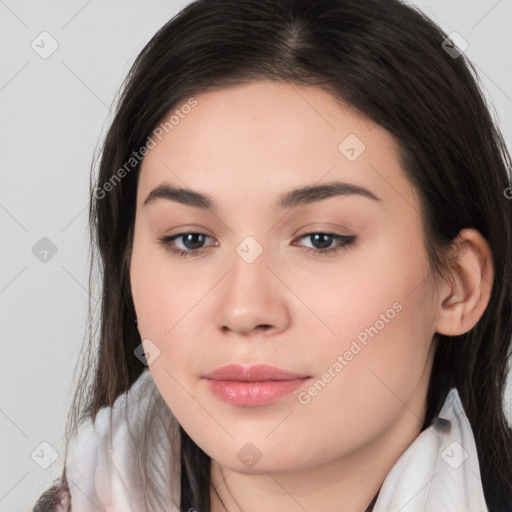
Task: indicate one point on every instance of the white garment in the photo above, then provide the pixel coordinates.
(438, 472)
(101, 469)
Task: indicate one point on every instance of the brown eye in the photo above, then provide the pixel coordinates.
(191, 241)
(322, 242)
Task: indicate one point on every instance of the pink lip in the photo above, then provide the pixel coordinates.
(256, 373)
(257, 385)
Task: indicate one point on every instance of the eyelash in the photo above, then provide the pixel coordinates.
(346, 242)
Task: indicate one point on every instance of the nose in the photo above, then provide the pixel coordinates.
(251, 299)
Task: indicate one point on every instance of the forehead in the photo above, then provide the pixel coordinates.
(266, 137)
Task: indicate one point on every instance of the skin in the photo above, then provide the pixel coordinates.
(244, 146)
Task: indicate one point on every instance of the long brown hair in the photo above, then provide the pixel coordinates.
(388, 61)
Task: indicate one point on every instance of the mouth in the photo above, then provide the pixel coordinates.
(255, 373)
(253, 386)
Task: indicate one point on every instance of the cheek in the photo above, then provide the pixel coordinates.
(367, 373)
(370, 289)
(166, 320)
(380, 322)
(157, 294)
(169, 312)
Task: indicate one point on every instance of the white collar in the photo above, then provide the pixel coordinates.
(101, 463)
(438, 472)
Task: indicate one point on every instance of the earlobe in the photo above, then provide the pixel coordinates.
(463, 300)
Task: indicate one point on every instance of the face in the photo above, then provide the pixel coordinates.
(332, 285)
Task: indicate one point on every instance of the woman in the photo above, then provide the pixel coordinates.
(304, 223)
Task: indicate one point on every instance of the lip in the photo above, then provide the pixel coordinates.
(255, 373)
(253, 386)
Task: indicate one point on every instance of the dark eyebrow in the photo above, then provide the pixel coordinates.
(299, 196)
(181, 195)
(313, 193)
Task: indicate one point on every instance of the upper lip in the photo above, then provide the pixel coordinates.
(255, 373)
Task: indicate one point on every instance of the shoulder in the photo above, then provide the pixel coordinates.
(88, 452)
(99, 462)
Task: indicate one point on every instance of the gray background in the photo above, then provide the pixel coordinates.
(54, 112)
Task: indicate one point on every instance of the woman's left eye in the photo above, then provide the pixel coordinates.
(191, 241)
(323, 239)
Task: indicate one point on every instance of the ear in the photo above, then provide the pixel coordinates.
(463, 300)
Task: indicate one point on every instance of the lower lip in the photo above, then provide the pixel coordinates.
(252, 394)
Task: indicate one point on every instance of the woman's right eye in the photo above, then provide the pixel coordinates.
(189, 239)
